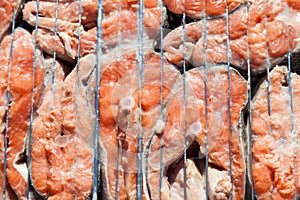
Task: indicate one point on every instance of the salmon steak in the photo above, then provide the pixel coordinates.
(262, 32)
(119, 25)
(186, 122)
(275, 135)
(7, 10)
(197, 9)
(62, 137)
(21, 88)
(127, 107)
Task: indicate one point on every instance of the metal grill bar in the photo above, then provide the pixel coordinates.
(268, 69)
(54, 53)
(54, 62)
(229, 95)
(249, 94)
(205, 100)
(29, 138)
(140, 136)
(97, 176)
(161, 98)
(184, 106)
(8, 103)
(119, 143)
(291, 89)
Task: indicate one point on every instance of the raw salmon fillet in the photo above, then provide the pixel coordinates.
(275, 151)
(198, 8)
(21, 78)
(186, 116)
(120, 22)
(266, 33)
(120, 115)
(62, 147)
(6, 14)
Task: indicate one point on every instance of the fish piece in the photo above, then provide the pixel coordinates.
(187, 112)
(219, 185)
(120, 115)
(68, 11)
(197, 9)
(269, 30)
(6, 12)
(62, 146)
(275, 151)
(194, 182)
(22, 80)
(114, 24)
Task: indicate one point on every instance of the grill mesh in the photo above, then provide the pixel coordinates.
(291, 60)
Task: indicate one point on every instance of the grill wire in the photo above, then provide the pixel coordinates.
(96, 192)
(8, 104)
(249, 95)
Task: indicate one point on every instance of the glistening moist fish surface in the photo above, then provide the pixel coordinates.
(63, 131)
(198, 9)
(275, 151)
(8, 9)
(186, 118)
(126, 108)
(119, 24)
(18, 80)
(268, 30)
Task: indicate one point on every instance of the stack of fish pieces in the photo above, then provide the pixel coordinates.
(263, 32)
(76, 23)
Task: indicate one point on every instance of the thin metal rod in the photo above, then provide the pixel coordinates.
(249, 94)
(119, 147)
(184, 106)
(205, 100)
(229, 94)
(268, 70)
(32, 101)
(8, 97)
(54, 52)
(98, 79)
(140, 137)
(161, 99)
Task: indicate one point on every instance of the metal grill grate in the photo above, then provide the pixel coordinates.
(292, 62)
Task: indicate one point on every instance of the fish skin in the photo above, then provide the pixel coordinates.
(275, 152)
(246, 32)
(218, 134)
(21, 85)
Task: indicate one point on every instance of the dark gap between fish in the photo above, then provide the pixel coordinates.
(22, 158)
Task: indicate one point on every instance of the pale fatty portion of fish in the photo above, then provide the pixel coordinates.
(121, 93)
(119, 25)
(194, 182)
(19, 78)
(267, 31)
(197, 9)
(276, 162)
(186, 117)
(62, 147)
